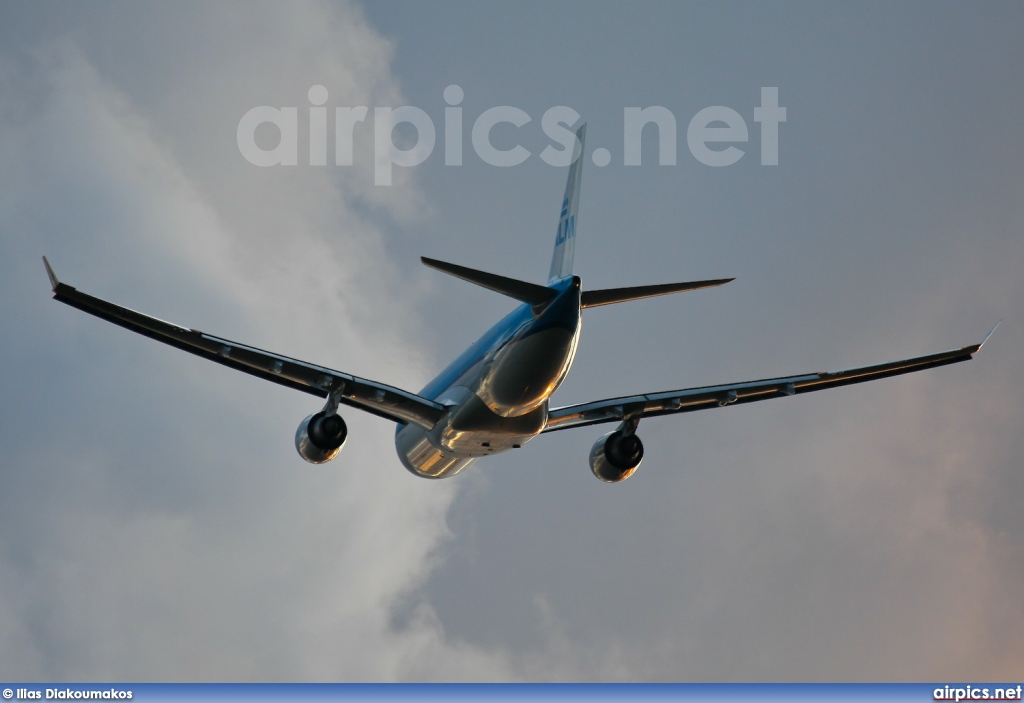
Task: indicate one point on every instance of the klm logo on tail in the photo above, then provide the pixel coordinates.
(566, 224)
(561, 260)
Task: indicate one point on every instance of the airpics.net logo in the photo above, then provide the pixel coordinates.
(717, 125)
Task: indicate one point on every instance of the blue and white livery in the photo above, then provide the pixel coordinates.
(495, 396)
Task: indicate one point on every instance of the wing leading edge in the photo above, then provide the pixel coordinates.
(377, 398)
(690, 399)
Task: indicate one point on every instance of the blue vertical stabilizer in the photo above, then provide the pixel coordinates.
(565, 240)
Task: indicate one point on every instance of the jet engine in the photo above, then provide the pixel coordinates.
(320, 437)
(615, 456)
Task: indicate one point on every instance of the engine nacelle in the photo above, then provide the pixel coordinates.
(615, 456)
(320, 437)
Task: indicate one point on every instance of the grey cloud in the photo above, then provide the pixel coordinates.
(155, 522)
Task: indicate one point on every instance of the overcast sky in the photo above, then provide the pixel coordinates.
(157, 524)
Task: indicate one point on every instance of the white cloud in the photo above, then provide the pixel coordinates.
(167, 530)
(155, 522)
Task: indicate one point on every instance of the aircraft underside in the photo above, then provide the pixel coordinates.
(495, 396)
(501, 401)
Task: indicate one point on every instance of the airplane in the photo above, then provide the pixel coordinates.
(495, 396)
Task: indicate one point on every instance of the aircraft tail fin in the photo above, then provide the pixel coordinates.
(565, 240)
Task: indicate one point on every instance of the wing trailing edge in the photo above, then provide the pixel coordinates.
(707, 397)
(376, 398)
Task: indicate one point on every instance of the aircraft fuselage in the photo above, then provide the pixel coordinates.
(497, 391)
(494, 397)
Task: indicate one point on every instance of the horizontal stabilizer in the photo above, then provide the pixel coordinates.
(520, 290)
(593, 298)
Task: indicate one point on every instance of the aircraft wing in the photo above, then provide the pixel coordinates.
(690, 399)
(377, 398)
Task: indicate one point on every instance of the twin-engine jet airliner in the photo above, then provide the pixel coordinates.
(495, 397)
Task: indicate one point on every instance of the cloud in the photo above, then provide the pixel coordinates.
(156, 522)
